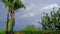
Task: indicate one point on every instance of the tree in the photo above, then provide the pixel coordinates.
(51, 22)
(12, 6)
(30, 28)
(10, 24)
(17, 4)
(8, 5)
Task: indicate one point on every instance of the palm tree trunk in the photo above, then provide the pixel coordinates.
(7, 21)
(13, 21)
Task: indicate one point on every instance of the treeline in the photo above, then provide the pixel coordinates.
(30, 29)
(38, 32)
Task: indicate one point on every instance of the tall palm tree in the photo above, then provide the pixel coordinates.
(7, 4)
(17, 4)
(12, 5)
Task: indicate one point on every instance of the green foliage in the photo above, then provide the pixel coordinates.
(33, 32)
(30, 28)
(2, 32)
(10, 24)
(13, 4)
(38, 32)
(18, 4)
(51, 22)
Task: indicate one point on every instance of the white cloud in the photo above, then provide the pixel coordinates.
(30, 11)
(35, 23)
(31, 14)
(28, 15)
(50, 6)
(31, 6)
(33, 10)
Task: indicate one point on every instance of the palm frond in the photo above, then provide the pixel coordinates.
(14, 4)
(18, 4)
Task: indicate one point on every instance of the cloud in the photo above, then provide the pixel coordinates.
(37, 25)
(30, 11)
(50, 6)
(31, 6)
(28, 15)
(33, 10)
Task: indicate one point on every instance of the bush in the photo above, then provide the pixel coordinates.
(2, 31)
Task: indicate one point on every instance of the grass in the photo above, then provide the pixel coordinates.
(34, 32)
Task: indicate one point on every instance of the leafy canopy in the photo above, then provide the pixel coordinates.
(52, 21)
(13, 4)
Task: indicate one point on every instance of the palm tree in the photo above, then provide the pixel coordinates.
(10, 24)
(7, 4)
(12, 6)
(16, 5)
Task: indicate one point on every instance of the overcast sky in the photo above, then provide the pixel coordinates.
(31, 15)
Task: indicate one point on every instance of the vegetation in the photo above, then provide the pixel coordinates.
(28, 30)
(50, 22)
(12, 5)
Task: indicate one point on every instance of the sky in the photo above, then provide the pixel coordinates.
(31, 15)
